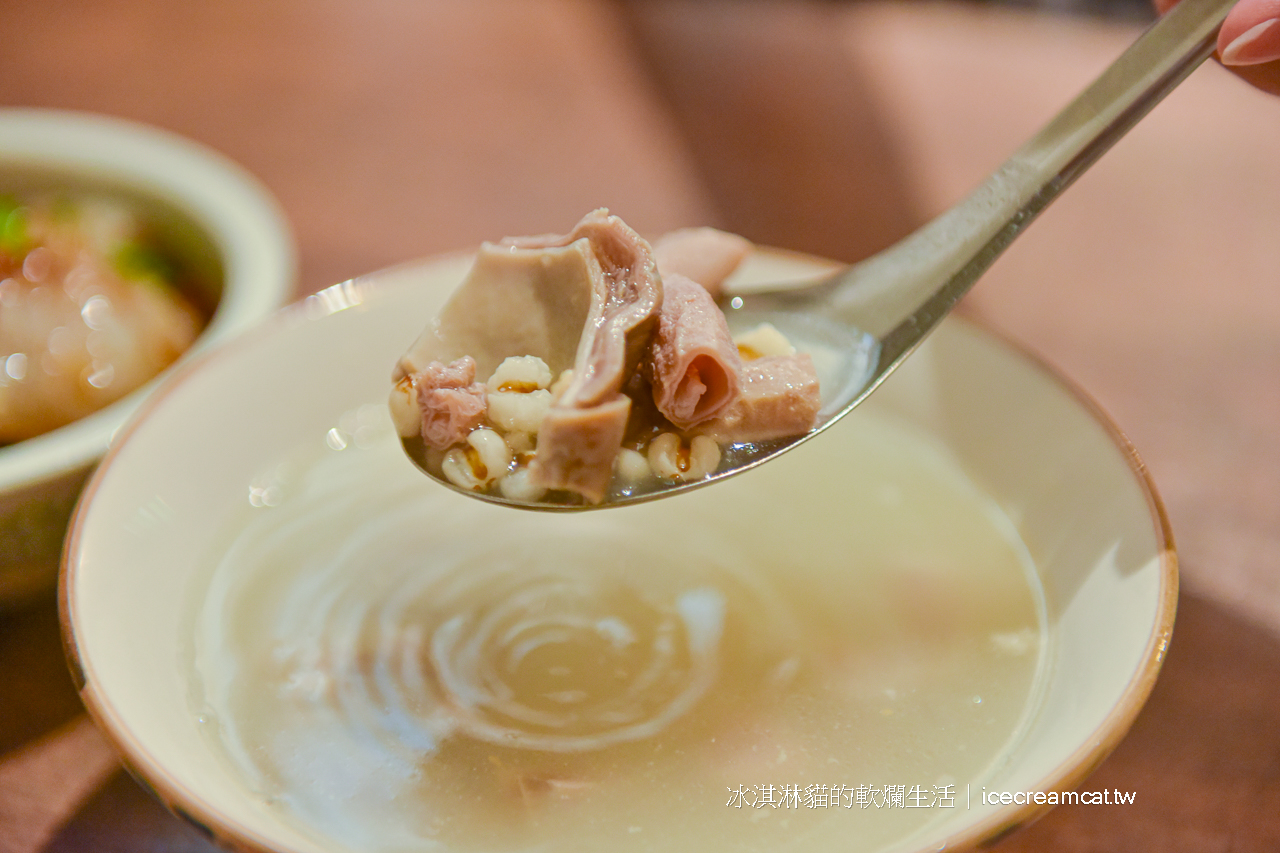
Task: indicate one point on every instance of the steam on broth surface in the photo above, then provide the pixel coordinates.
(396, 667)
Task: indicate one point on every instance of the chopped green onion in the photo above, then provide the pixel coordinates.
(13, 229)
(139, 261)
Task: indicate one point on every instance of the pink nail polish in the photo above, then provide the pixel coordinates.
(1256, 45)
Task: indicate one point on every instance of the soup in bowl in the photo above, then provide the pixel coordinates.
(962, 590)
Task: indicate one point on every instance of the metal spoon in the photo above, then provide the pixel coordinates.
(873, 314)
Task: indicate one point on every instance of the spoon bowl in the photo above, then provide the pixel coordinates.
(861, 322)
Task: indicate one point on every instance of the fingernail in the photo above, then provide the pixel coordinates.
(1256, 45)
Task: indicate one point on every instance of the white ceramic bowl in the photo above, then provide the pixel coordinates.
(223, 218)
(155, 512)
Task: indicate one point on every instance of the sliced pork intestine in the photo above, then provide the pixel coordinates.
(583, 431)
(705, 255)
(514, 301)
(780, 398)
(577, 447)
(586, 301)
(693, 362)
(591, 305)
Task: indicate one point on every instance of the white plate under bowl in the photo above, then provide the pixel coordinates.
(150, 518)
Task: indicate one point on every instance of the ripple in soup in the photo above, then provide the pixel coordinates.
(396, 667)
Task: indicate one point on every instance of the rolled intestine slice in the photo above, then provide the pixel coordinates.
(693, 364)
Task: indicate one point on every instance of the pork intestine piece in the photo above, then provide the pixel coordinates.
(693, 362)
(780, 398)
(577, 447)
(587, 301)
(705, 255)
(590, 416)
(452, 403)
(513, 302)
(626, 294)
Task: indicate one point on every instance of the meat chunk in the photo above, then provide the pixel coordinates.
(705, 255)
(585, 302)
(451, 401)
(625, 298)
(780, 398)
(577, 446)
(693, 361)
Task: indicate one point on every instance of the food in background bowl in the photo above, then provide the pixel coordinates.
(92, 306)
(212, 222)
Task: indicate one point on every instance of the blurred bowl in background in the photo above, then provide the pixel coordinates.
(208, 213)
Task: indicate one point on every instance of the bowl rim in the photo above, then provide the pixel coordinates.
(1067, 774)
(1081, 763)
(244, 221)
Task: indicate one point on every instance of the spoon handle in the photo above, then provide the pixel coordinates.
(901, 293)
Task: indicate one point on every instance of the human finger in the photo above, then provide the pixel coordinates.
(1249, 41)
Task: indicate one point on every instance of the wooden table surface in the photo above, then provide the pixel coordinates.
(391, 130)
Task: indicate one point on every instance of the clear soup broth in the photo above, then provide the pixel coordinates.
(822, 654)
